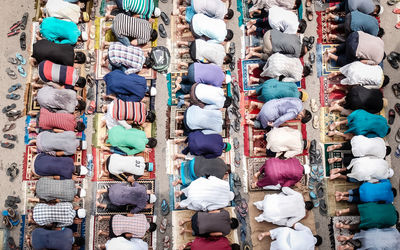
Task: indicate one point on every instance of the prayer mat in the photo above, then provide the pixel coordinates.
(104, 225)
(323, 26)
(337, 153)
(327, 98)
(336, 232)
(31, 122)
(100, 157)
(331, 186)
(326, 119)
(260, 227)
(173, 125)
(79, 159)
(324, 69)
(173, 46)
(179, 239)
(150, 185)
(254, 165)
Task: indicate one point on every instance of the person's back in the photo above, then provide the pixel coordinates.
(61, 74)
(137, 225)
(143, 8)
(131, 141)
(283, 20)
(57, 53)
(215, 29)
(217, 243)
(362, 22)
(208, 52)
(207, 95)
(389, 238)
(299, 238)
(50, 143)
(129, 88)
(209, 121)
(288, 44)
(57, 100)
(209, 146)
(212, 8)
(204, 167)
(370, 48)
(359, 97)
(59, 31)
(210, 74)
(361, 122)
(129, 111)
(122, 194)
(285, 140)
(52, 239)
(47, 165)
(214, 222)
(49, 120)
(62, 212)
(369, 169)
(374, 215)
(274, 89)
(374, 192)
(358, 73)
(280, 65)
(129, 56)
(286, 173)
(364, 6)
(136, 28)
(119, 164)
(63, 10)
(364, 146)
(279, 111)
(50, 189)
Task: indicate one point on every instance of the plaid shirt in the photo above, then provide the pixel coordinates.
(137, 225)
(49, 189)
(128, 56)
(61, 213)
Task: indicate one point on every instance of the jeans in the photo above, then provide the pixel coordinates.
(113, 66)
(181, 101)
(354, 195)
(122, 39)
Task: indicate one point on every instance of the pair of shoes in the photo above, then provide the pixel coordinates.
(393, 59)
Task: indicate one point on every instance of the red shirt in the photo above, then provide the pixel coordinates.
(49, 120)
(214, 243)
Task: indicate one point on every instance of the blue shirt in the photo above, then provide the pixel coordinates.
(208, 146)
(129, 88)
(374, 192)
(206, 120)
(360, 122)
(279, 111)
(364, 22)
(364, 6)
(52, 239)
(59, 31)
(274, 89)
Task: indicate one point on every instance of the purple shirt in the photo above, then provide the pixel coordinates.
(124, 194)
(279, 111)
(208, 73)
(47, 165)
(284, 172)
(209, 146)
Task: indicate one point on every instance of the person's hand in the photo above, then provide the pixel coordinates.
(271, 124)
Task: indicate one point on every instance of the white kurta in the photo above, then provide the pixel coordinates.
(369, 169)
(299, 238)
(363, 146)
(120, 164)
(120, 243)
(283, 20)
(63, 10)
(280, 65)
(212, 96)
(286, 141)
(358, 73)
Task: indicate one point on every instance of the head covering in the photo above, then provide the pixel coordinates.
(153, 91)
(228, 78)
(391, 172)
(304, 95)
(84, 36)
(82, 193)
(306, 169)
(153, 198)
(83, 170)
(157, 12)
(81, 213)
(381, 9)
(85, 17)
(228, 146)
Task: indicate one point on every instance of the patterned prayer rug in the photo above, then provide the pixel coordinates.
(150, 185)
(337, 153)
(326, 119)
(331, 187)
(173, 46)
(325, 97)
(323, 27)
(336, 232)
(322, 68)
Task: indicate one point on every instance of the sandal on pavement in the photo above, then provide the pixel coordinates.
(10, 137)
(322, 207)
(15, 25)
(392, 2)
(9, 108)
(315, 123)
(391, 115)
(13, 113)
(14, 87)
(13, 33)
(9, 127)
(21, 71)
(314, 199)
(162, 31)
(164, 207)
(397, 137)
(7, 145)
(163, 225)
(11, 73)
(166, 242)
(24, 20)
(392, 61)
(396, 90)
(20, 58)
(309, 13)
(13, 96)
(235, 143)
(12, 60)
(396, 11)
(397, 108)
(314, 106)
(164, 18)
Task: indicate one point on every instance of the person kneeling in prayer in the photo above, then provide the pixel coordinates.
(274, 89)
(61, 214)
(389, 238)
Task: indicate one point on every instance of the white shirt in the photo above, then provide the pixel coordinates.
(212, 8)
(284, 209)
(283, 20)
(299, 238)
(63, 10)
(207, 194)
(210, 52)
(358, 73)
(212, 96)
(369, 169)
(110, 121)
(364, 146)
(215, 29)
(120, 164)
(120, 243)
(281, 65)
(285, 139)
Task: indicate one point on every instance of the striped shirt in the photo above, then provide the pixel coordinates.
(144, 8)
(61, 213)
(129, 56)
(52, 72)
(137, 225)
(49, 120)
(136, 28)
(49, 189)
(130, 111)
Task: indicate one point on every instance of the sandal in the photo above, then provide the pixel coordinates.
(13, 113)
(392, 2)
(166, 242)
(397, 108)
(11, 73)
(162, 31)
(314, 199)
(232, 48)
(9, 127)
(7, 223)
(396, 11)
(164, 207)
(21, 71)
(397, 137)
(391, 115)
(313, 105)
(164, 18)
(235, 143)
(9, 108)
(15, 25)
(396, 90)
(13, 96)
(20, 58)
(14, 87)
(7, 145)
(24, 20)
(13, 33)
(315, 122)
(163, 225)
(12, 60)
(10, 137)
(392, 60)
(309, 14)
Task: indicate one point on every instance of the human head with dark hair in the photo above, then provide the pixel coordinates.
(306, 71)
(235, 246)
(80, 57)
(80, 126)
(227, 59)
(229, 35)
(234, 223)
(397, 213)
(305, 144)
(152, 142)
(388, 150)
(228, 101)
(81, 83)
(229, 14)
(79, 241)
(305, 116)
(153, 35)
(386, 81)
(381, 32)
(81, 105)
(302, 26)
(378, 10)
(297, 4)
(394, 192)
(309, 205)
(228, 169)
(151, 116)
(148, 63)
(319, 240)
(153, 227)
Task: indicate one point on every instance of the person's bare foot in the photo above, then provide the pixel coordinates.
(335, 171)
(177, 194)
(333, 147)
(342, 238)
(333, 160)
(177, 205)
(333, 88)
(331, 37)
(249, 55)
(338, 212)
(249, 122)
(339, 225)
(332, 133)
(181, 222)
(261, 236)
(253, 80)
(253, 185)
(334, 107)
(252, 106)
(325, 57)
(334, 176)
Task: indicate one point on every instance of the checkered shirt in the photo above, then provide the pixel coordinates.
(137, 225)
(61, 213)
(49, 189)
(128, 56)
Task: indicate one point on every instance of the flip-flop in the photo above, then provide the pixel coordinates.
(314, 106)
(164, 18)
(163, 225)
(232, 65)
(235, 143)
(13, 33)
(392, 60)
(397, 108)
(164, 207)
(322, 207)
(7, 145)
(320, 190)
(13, 60)
(392, 116)
(10, 137)
(162, 31)
(20, 58)
(314, 199)
(396, 90)
(232, 48)
(14, 87)
(396, 11)
(9, 127)
(21, 71)
(397, 137)
(13, 113)
(24, 20)
(13, 96)
(15, 25)
(11, 73)
(309, 14)
(9, 108)
(392, 2)
(315, 123)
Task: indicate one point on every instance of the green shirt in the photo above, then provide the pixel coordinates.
(374, 215)
(274, 89)
(131, 141)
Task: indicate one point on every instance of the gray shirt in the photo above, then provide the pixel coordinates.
(212, 8)
(57, 100)
(288, 44)
(214, 222)
(49, 189)
(209, 167)
(208, 52)
(375, 238)
(50, 143)
(208, 121)
(364, 6)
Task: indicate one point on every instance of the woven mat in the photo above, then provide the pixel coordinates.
(322, 68)
(104, 225)
(254, 165)
(173, 47)
(150, 185)
(326, 119)
(323, 24)
(101, 156)
(331, 187)
(338, 153)
(173, 125)
(257, 228)
(181, 239)
(336, 232)
(79, 158)
(325, 97)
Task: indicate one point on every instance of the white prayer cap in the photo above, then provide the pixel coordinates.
(391, 172)
(228, 78)
(153, 91)
(82, 193)
(153, 198)
(84, 36)
(81, 213)
(157, 12)
(83, 171)
(380, 9)
(307, 169)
